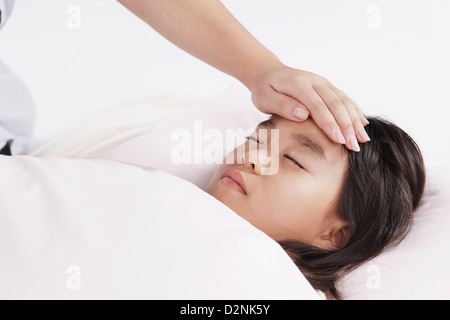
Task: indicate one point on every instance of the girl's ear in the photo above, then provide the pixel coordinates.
(335, 239)
(341, 237)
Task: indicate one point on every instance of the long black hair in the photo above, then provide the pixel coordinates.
(383, 187)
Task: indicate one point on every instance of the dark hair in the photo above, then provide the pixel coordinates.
(383, 187)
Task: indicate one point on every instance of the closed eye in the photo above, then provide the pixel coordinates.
(293, 160)
(254, 139)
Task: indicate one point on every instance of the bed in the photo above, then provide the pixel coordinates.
(83, 234)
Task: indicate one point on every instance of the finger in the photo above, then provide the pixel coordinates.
(274, 102)
(322, 116)
(341, 115)
(358, 126)
(357, 117)
(305, 94)
(347, 101)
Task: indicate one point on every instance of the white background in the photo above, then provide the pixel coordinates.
(391, 57)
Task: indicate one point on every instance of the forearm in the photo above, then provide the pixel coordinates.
(208, 31)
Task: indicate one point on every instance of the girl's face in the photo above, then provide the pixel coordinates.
(293, 199)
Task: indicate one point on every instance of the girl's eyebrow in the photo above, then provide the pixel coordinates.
(301, 139)
(308, 143)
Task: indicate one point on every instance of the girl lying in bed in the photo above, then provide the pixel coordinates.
(331, 209)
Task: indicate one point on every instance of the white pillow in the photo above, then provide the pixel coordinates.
(232, 109)
(418, 268)
(103, 131)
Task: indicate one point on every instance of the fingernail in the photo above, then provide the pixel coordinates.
(363, 119)
(351, 139)
(300, 113)
(339, 136)
(363, 134)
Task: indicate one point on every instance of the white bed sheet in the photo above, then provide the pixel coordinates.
(100, 229)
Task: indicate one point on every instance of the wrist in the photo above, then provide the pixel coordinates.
(254, 72)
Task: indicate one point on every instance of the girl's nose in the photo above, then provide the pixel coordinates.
(260, 161)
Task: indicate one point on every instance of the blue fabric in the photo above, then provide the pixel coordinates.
(17, 112)
(5, 11)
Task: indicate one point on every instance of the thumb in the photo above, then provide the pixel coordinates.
(285, 106)
(299, 113)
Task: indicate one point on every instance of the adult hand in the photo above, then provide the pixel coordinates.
(296, 95)
(208, 31)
